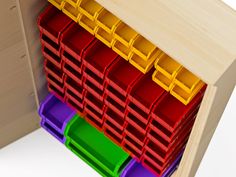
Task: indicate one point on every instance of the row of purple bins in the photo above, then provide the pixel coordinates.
(54, 117)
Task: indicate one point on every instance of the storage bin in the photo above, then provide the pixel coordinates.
(120, 80)
(87, 24)
(144, 48)
(55, 116)
(122, 50)
(53, 58)
(136, 169)
(98, 58)
(52, 23)
(170, 112)
(58, 3)
(144, 95)
(75, 41)
(166, 71)
(94, 148)
(71, 11)
(143, 65)
(74, 3)
(90, 9)
(186, 86)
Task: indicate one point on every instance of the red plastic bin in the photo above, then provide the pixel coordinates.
(115, 106)
(58, 85)
(98, 58)
(52, 57)
(56, 92)
(167, 146)
(72, 73)
(75, 102)
(93, 89)
(120, 80)
(143, 96)
(52, 46)
(52, 23)
(168, 135)
(74, 87)
(75, 41)
(170, 112)
(71, 61)
(94, 102)
(115, 119)
(54, 71)
(93, 117)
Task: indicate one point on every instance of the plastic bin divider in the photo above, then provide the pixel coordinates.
(52, 23)
(108, 159)
(71, 11)
(55, 116)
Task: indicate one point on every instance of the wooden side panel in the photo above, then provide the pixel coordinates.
(208, 118)
(17, 104)
(198, 33)
(29, 11)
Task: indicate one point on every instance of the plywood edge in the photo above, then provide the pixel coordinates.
(212, 108)
(18, 128)
(28, 12)
(198, 34)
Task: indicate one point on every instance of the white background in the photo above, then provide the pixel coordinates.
(40, 155)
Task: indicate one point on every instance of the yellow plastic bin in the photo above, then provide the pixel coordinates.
(57, 3)
(124, 51)
(166, 71)
(74, 3)
(125, 34)
(104, 36)
(87, 24)
(142, 65)
(107, 21)
(186, 86)
(143, 48)
(90, 9)
(71, 11)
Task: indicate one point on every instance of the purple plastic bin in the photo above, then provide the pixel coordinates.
(135, 169)
(55, 116)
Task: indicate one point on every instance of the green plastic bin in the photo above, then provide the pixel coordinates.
(95, 148)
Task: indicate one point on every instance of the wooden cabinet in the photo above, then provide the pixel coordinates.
(198, 34)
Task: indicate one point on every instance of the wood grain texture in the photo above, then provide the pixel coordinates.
(200, 34)
(29, 11)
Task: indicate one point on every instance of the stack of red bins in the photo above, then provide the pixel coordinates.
(112, 95)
